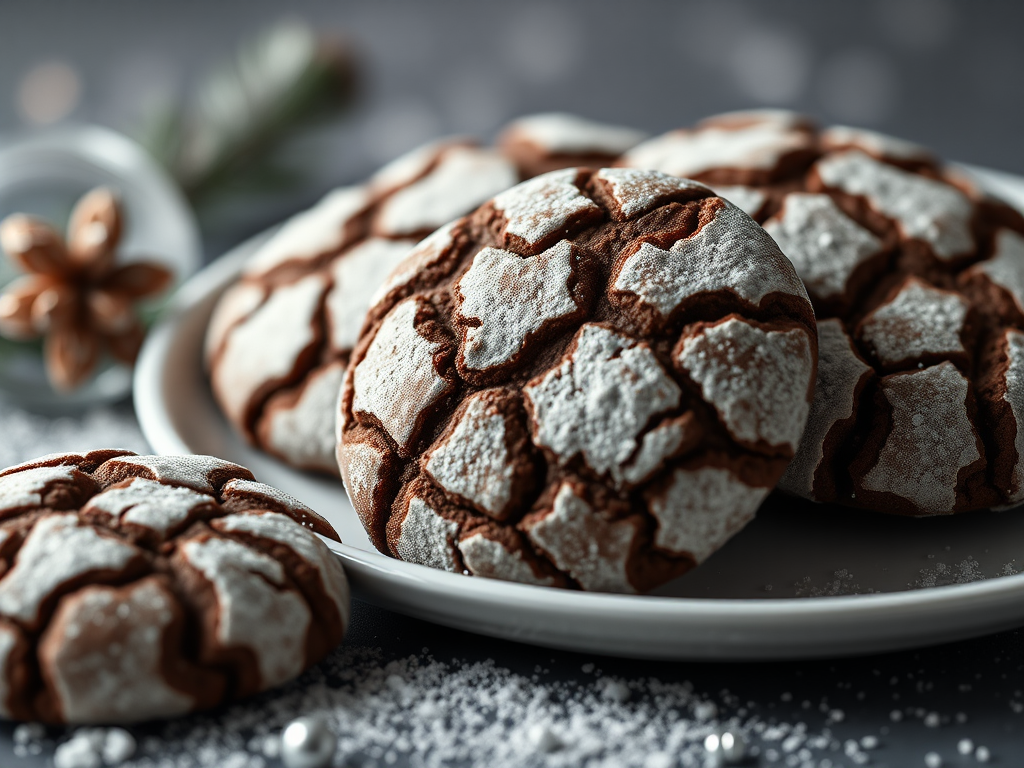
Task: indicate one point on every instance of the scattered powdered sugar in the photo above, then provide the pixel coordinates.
(840, 370)
(149, 504)
(701, 509)
(756, 380)
(473, 462)
(565, 134)
(1006, 267)
(57, 550)
(542, 206)
(730, 252)
(254, 612)
(872, 142)
(309, 234)
(506, 298)
(267, 345)
(599, 399)
(1014, 396)
(747, 199)
(964, 572)
(427, 538)
(932, 438)
(637, 191)
(463, 178)
(919, 320)
(929, 210)
(841, 582)
(357, 275)
(824, 244)
(583, 544)
(396, 380)
(757, 146)
(489, 558)
(304, 433)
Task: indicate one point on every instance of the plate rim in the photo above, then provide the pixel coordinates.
(373, 573)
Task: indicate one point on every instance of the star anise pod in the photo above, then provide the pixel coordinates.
(74, 295)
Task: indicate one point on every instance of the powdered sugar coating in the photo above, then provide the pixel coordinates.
(489, 558)
(730, 253)
(310, 234)
(840, 371)
(657, 446)
(931, 440)
(506, 298)
(361, 465)
(919, 320)
(132, 651)
(255, 611)
(301, 432)
(262, 491)
(473, 461)
(701, 509)
(26, 488)
(536, 209)
(282, 529)
(872, 142)
(747, 199)
(396, 379)
(116, 682)
(406, 168)
(824, 244)
(1014, 397)
(149, 504)
(56, 551)
(759, 146)
(1006, 267)
(463, 178)
(268, 344)
(193, 472)
(560, 133)
(597, 402)
(424, 255)
(580, 542)
(924, 209)
(427, 538)
(357, 275)
(637, 191)
(753, 379)
(238, 302)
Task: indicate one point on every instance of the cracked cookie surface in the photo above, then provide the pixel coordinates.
(592, 381)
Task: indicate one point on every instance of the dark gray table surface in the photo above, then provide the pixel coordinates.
(947, 74)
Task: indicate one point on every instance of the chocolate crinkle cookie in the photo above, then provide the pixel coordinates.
(917, 279)
(280, 337)
(140, 587)
(592, 381)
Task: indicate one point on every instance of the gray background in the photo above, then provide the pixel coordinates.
(947, 74)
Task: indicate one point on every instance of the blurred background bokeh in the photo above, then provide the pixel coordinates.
(946, 73)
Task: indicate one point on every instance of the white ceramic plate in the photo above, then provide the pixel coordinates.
(801, 580)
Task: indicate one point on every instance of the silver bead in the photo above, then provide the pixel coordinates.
(726, 747)
(307, 742)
